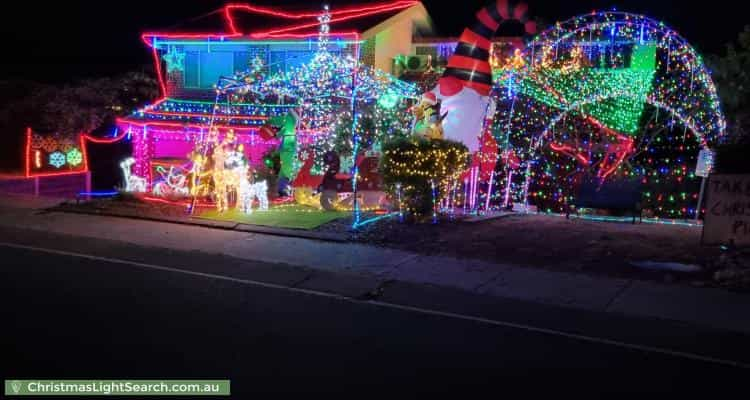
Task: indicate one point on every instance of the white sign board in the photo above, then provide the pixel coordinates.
(705, 163)
(727, 210)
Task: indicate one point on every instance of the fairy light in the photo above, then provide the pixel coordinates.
(57, 159)
(400, 206)
(48, 155)
(325, 28)
(415, 167)
(588, 100)
(133, 183)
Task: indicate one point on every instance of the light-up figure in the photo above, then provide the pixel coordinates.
(465, 86)
(285, 128)
(173, 184)
(133, 183)
(428, 121)
(219, 177)
(248, 192)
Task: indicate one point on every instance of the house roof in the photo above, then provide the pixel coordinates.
(454, 39)
(256, 21)
(174, 113)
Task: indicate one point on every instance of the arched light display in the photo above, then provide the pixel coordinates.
(608, 95)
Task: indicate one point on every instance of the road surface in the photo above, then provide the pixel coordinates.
(130, 312)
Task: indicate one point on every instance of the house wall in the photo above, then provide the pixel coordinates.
(156, 144)
(206, 63)
(392, 41)
(367, 53)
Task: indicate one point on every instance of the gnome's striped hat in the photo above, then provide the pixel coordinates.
(470, 64)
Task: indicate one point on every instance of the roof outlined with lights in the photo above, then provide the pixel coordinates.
(250, 21)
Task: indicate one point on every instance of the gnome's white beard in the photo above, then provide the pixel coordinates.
(466, 110)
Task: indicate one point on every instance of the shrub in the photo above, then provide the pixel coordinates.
(415, 163)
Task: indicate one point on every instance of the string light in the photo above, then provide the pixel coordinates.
(47, 154)
(586, 101)
(74, 157)
(325, 28)
(133, 183)
(57, 159)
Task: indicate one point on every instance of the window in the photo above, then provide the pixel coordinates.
(214, 65)
(242, 61)
(192, 69)
(284, 60)
(427, 51)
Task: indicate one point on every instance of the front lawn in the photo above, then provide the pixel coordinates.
(287, 216)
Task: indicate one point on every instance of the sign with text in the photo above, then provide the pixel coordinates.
(705, 163)
(727, 210)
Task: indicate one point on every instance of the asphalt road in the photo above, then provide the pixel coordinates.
(67, 316)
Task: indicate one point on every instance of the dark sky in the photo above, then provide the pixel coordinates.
(70, 39)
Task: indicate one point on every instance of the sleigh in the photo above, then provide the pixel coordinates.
(334, 190)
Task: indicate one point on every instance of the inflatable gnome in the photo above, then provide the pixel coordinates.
(465, 86)
(284, 127)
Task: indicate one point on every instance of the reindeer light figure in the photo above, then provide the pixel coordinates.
(251, 191)
(133, 183)
(219, 176)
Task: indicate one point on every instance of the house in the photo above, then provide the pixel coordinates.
(192, 60)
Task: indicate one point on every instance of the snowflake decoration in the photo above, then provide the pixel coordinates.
(175, 61)
(49, 144)
(75, 157)
(67, 144)
(304, 156)
(57, 159)
(36, 141)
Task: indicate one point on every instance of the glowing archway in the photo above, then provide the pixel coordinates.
(686, 121)
(610, 72)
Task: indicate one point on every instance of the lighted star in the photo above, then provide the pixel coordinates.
(175, 61)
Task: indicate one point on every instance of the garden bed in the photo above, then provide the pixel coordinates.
(556, 243)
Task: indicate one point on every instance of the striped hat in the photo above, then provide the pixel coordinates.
(470, 65)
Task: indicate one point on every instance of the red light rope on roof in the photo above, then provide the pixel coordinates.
(338, 19)
(338, 16)
(365, 10)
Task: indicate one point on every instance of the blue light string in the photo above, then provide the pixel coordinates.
(374, 219)
(98, 194)
(355, 139)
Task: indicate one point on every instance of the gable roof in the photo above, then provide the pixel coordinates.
(263, 22)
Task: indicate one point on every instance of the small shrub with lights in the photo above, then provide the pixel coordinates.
(410, 167)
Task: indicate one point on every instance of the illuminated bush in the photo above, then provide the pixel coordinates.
(413, 164)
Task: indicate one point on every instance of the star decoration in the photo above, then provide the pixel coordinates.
(175, 61)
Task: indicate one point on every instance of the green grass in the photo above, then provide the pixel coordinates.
(289, 216)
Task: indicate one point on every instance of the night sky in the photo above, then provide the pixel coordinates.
(68, 40)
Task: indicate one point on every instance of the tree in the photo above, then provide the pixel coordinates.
(85, 106)
(81, 107)
(731, 73)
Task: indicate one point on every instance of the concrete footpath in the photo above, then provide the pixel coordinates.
(370, 267)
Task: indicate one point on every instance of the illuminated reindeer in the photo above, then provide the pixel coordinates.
(133, 183)
(248, 192)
